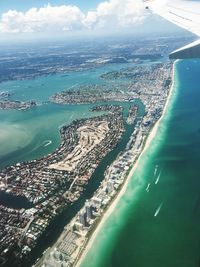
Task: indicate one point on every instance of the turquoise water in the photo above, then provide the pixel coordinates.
(132, 236)
(56, 227)
(160, 227)
(24, 134)
(31, 134)
(41, 88)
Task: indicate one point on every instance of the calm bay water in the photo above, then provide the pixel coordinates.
(26, 135)
(160, 227)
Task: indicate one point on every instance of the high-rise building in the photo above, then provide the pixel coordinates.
(110, 186)
(88, 210)
(97, 201)
(82, 218)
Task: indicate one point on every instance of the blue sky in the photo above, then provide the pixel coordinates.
(23, 5)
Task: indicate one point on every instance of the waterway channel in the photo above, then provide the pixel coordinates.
(55, 228)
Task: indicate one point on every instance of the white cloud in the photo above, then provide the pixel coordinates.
(46, 19)
(115, 13)
(108, 14)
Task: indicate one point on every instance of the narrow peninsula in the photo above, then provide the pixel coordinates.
(73, 242)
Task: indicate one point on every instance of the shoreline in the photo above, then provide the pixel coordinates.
(114, 203)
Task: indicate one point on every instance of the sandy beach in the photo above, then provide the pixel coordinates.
(112, 206)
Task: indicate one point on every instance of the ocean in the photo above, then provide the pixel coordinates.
(157, 221)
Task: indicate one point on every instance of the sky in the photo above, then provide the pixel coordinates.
(23, 5)
(68, 17)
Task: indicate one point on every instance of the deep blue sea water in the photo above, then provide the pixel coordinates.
(160, 227)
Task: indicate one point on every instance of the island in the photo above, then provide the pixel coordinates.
(132, 114)
(76, 235)
(147, 80)
(57, 181)
(19, 105)
(52, 183)
(106, 108)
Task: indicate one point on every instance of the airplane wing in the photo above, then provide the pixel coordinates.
(184, 13)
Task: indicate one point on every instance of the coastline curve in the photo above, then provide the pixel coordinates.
(83, 260)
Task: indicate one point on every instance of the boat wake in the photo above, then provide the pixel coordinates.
(155, 170)
(158, 178)
(158, 210)
(156, 175)
(71, 117)
(147, 188)
(47, 143)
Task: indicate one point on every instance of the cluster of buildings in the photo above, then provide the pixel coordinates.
(146, 80)
(67, 250)
(132, 114)
(107, 107)
(19, 105)
(32, 62)
(57, 180)
(49, 189)
(84, 94)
